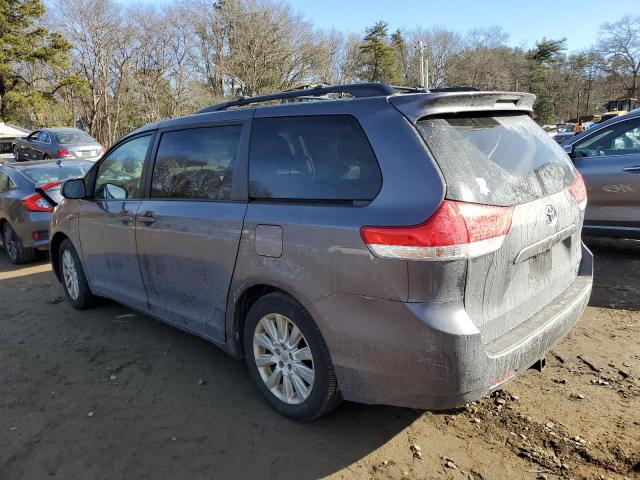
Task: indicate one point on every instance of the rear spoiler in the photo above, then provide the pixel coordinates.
(46, 197)
(42, 190)
(418, 105)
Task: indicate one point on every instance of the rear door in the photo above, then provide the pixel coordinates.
(107, 223)
(505, 159)
(189, 227)
(609, 161)
(27, 147)
(39, 145)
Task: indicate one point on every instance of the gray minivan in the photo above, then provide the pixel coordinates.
(388, 247)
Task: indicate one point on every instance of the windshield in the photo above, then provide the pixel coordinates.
(54, 173)
(75, 138)
(497, 160)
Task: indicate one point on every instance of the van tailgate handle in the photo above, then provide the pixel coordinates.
(545, 244)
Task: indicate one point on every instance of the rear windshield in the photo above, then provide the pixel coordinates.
(496, 159)
(75, 138)
(47, 174)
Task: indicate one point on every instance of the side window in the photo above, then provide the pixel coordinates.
(44, 137)
(619, 139)
(119, 174)
(196, 163)
(34, 135)
(629, 140)
(312, 158)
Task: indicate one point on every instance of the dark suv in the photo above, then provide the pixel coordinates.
(398, 247)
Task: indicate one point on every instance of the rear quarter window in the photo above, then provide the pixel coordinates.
(312, 158)
(503, 159)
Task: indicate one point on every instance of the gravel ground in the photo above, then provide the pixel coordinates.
(111, 394)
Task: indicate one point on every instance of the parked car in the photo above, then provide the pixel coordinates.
(8, 133)
(6, 154)
(415, 249)
(608, 156)
(563, 133)
(57, 143)
(28, 193)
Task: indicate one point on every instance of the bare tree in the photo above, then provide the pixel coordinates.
(441, 47)
(102, 50)
(619, 43)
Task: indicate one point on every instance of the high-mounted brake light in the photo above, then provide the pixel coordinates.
(578, 190)
(36, 202)
(456, 230)
(63, 152)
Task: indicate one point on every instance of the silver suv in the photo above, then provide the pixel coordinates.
(393, 247)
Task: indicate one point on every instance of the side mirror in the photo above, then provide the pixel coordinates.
(74, 189)
(568, 149)
(114, 192)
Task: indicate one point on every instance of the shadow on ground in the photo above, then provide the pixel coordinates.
(163, 403)
(616, 273)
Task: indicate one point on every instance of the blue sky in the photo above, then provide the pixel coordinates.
(525, 20)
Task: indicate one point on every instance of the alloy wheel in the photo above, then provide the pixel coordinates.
(283, 358)
(70, 275)
(10, 242)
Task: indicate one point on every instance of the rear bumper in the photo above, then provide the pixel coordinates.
(431, 355)
(36, 222)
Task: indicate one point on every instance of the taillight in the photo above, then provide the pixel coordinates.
(456, 230)
(36, 202)
(63, 152)
(578, 190)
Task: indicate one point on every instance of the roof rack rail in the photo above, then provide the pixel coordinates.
(358, 90)
(454, 89)
(403, 89)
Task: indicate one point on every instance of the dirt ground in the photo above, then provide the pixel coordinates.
(111, 394)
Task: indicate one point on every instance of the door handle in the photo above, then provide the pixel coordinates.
(126, 217)
(634, 169)
(147, 218)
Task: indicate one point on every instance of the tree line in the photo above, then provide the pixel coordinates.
(111, 68)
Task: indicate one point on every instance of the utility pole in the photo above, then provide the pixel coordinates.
(427, 74)
(420, 47)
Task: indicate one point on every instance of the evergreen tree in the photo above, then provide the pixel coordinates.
(399, 46)
(24, 42)
(544, 57)
(378, 60)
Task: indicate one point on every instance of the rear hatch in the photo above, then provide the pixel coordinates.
(503, 158)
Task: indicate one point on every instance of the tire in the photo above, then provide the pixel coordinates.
(13, 246)
(45, 157)
(16, 154)
(78, 294)
(287, 364)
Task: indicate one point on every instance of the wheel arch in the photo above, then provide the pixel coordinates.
(246, 298)
(2, 222)
(54, 250)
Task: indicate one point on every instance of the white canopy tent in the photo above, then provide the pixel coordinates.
(12, 131)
